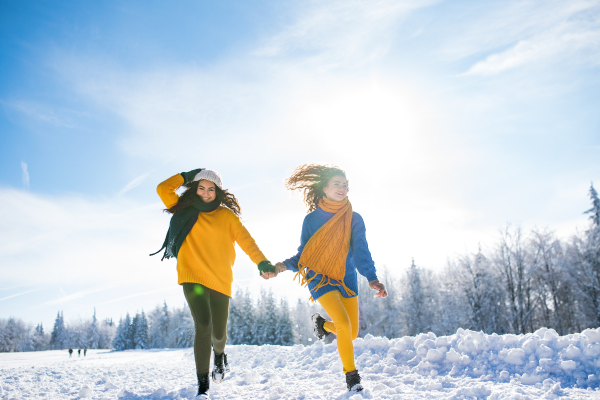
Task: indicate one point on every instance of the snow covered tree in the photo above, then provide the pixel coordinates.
(93, 337)
(140, 331)
(484, 298)
(39, 339)
(60, 337)
(182, 328)
(416, 305)
(235, 321)
(284, 332)
(553, 286)
(13, 335)
(160, 322)
(266, 319)
(122, 340)
(511, 261)
(595, 210)
(107, 333)
(584, 257)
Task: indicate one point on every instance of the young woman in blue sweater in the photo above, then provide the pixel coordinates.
(333, 246)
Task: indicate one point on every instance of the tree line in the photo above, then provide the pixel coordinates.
(522, 282)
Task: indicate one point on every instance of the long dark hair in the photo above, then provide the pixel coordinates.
(311, 179)
(190, 197)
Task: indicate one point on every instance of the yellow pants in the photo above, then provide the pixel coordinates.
(344, 313)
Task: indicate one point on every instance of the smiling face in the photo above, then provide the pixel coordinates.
(337, 188)
(206, 191)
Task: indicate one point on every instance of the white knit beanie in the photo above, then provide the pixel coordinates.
(209, 175)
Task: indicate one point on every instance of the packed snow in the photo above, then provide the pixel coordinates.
(466, 365)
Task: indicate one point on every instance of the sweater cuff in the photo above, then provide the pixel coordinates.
(372, 277)
(290, 266)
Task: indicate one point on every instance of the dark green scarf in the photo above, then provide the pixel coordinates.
(181, 224)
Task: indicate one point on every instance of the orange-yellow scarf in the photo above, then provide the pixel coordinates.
(327, 250)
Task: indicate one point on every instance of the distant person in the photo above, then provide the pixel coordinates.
(84, 351)
(333, 246)
(70, 352)
(204, 228)
(79, 352)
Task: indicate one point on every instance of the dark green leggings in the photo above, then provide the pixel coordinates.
(210, 310)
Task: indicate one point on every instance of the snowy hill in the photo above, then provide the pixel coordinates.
(465, 365)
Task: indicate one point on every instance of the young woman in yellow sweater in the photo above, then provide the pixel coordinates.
(204, 228)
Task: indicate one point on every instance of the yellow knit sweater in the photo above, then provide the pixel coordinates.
(207, 253)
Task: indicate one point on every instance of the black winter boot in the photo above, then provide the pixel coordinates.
(203, 384)
(319, 329)
(219, 368)
(226, 363)
(353, 381)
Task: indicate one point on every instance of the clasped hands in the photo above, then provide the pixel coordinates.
(280, 267)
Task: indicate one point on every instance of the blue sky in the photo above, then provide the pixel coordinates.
(450, 118)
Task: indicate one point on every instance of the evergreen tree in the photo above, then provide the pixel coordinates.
(284, 331)
(93, 339)
(247, 318)
(416, 304)
(182, 328)
(140, 335)
(120, 340)
(234, 321)
(595, 210)
(39, 340)
(59, 337)
(160, 327)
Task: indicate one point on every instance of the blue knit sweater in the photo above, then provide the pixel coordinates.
(359, 256)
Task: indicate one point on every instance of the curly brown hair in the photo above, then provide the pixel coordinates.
(190, 197)
(311, 179)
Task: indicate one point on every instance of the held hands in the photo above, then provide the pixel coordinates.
(380, 287)
(267, 274)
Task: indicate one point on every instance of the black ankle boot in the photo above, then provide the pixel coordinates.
(353, 381)
(219, 368)
(319, 326)
(203, 384)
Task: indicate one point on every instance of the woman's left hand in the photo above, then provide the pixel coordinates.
(380, 287)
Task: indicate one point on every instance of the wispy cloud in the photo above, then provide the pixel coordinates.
(19, 294)
(133, 184)
(42, 112)
(78, 295)
(165, 289)
(533, 32)
(25, 174)
(327, 34)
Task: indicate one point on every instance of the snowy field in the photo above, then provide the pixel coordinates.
(466, 365)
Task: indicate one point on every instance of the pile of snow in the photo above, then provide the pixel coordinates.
(466, 365)
(572, 360)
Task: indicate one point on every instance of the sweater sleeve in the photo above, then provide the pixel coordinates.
(360, 249)
(246, 242)
(166, 190)
(292, 262)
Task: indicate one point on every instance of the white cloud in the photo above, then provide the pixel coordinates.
(78, 295)
(42, 112)
(133, 184)
(25, 174)
(19, 294)
(528, 33)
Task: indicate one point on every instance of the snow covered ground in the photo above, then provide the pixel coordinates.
(466, 365)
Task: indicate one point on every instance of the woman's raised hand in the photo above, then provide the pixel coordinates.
(380, 287)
